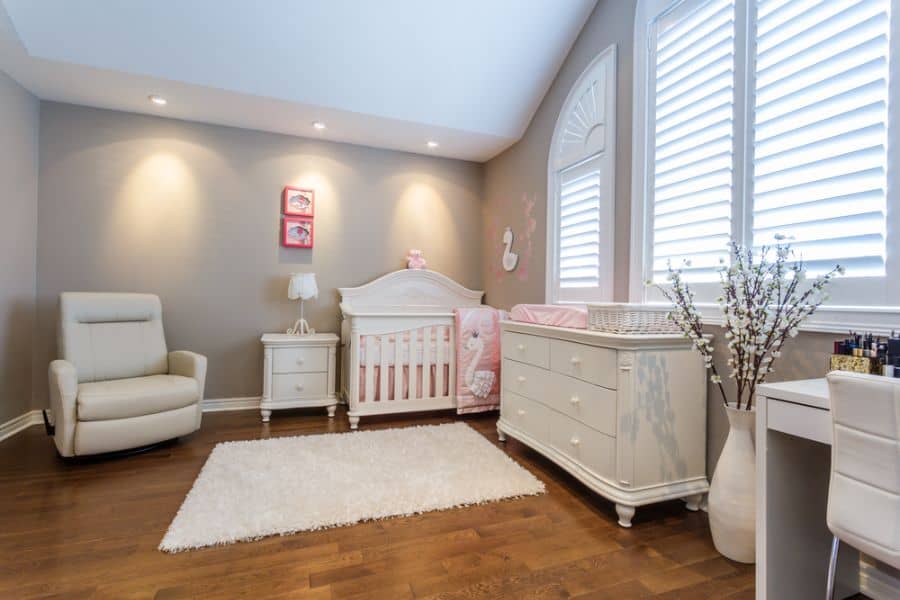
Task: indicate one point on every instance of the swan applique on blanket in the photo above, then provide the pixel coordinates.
(477, 359)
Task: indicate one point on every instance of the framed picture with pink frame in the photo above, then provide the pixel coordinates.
(298, 202)
(297, 232)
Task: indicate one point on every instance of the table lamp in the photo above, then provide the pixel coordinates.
(302, 287)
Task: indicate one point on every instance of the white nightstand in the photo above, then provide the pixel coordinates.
(298, 371)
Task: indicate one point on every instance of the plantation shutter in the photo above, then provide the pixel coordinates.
(579, 227)
(692, 83)
(820, 131)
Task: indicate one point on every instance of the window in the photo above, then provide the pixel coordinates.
(763, 121)
(580, 177)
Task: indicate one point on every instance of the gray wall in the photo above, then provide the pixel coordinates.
(191, 212)
(18, 235)
(516, 194)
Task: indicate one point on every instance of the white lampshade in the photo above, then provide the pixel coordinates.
(303, 286)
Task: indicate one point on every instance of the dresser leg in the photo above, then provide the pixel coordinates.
(692, 503)
(266, 413)
(331, 410)
(626, 513)
(354, 422)
(500, 435)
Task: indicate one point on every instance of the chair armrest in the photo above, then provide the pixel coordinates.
(63, 393)
(189, 364)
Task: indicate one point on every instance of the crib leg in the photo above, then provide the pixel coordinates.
(500, 435)
(354, 421)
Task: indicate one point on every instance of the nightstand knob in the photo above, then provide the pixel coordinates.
(574, 399)
(521, 412)
(574, 441)
(299, 387)
(575, 360)
(520, 379)
(521, 347)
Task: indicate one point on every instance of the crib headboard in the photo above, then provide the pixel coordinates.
(408, 290)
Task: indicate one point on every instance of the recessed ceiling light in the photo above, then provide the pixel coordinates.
(318, 125)
(158, 100)
(432, 144)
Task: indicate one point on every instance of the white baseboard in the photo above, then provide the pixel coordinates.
(20, 423)
(223, 404)
(878, 584)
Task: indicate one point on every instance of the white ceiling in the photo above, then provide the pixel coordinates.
(387, 73)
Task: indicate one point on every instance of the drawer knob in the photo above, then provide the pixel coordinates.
(574, 441)
(574, 400)
(299, 361)
(520, 379)
(521, 347)
(521, 412)
(575, 360)
(299, 387)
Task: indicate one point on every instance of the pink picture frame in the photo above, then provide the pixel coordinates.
(297, 232)
(298, 202)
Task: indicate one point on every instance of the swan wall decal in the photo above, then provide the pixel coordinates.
(510, 259)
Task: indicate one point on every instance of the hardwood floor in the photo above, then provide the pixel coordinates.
(90, 529)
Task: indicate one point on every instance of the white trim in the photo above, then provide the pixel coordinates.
(876, 583)
(227, 404)
(879, 320)
(20, 423)
(551, 295)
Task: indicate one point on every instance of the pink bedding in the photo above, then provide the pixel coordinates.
(477, 359)
(555, 315)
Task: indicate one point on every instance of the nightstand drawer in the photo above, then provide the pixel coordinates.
(299, 385)
(300, 360)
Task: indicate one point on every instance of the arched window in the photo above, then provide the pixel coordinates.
(581, 188)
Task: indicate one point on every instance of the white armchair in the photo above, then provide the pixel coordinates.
(117, 386)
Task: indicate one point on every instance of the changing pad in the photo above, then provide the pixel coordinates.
(555, 315)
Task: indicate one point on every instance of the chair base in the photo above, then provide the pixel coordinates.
(118, 453)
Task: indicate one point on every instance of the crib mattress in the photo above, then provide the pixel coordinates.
(554, 315)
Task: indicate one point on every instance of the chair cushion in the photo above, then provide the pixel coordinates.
(135, 397)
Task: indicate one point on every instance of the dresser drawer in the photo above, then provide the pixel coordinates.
(597, 365)
(593, 405)
(525, 380)
(590, 448)
(531, 417)
(299, 385)
(300, 360)
(529, 349)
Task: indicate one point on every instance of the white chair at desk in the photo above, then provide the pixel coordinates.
(864, 491)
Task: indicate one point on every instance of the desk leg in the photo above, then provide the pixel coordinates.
(793, 540)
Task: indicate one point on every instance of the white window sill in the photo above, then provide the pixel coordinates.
(879, 320)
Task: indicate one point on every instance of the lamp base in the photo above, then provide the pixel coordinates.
(301, 328)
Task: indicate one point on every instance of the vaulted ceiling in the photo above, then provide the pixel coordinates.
(466, 74)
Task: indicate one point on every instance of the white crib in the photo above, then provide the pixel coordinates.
(398, 343)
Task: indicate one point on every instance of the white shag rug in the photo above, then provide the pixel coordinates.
(252, 489)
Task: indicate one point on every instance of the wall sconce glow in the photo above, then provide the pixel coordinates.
(318, 125)
(157, 100)
(432, 144)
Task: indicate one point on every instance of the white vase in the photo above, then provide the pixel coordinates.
(732, 494)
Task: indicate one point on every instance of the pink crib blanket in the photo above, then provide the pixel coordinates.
(477, 359)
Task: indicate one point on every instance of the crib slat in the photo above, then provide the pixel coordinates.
(439, 362)
(426, 362)
(413, 363)
(451, 385)
(370, 369)
(383, 370)
(398, 366)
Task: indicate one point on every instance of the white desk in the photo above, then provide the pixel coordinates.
(793, 463)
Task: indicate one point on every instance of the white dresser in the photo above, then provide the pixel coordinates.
(624, 414)
(298, 371)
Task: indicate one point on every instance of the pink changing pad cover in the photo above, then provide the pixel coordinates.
(555, 315)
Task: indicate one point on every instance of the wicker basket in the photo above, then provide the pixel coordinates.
(631, 319)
